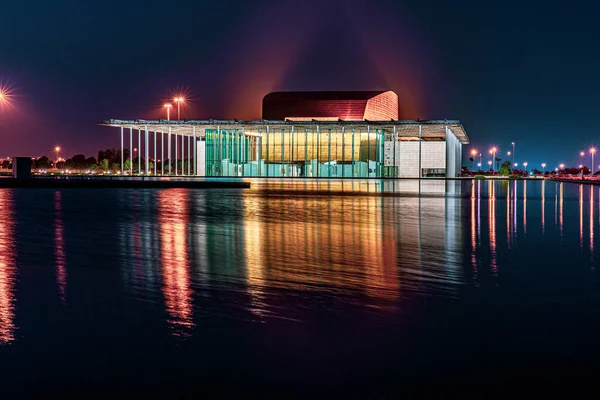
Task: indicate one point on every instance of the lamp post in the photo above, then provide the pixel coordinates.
(57, 149)
(543, 167)
(168, 107)
(581, 155)
(525, 165)
(493, 153)
(178, 100)
(473, 153)
(480, 160)
(592, 151)
(508, 155)
(513, 151)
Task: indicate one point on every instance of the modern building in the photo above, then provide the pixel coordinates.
(304, 134)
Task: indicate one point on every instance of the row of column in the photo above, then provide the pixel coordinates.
(191, 152)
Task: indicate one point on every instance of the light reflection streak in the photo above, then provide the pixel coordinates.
(473, 229)
(581, 216)
(592, 224)
(479, 213)
(492, 225)
(173, 220)
(60, 257)
(515, 206)
(508, 213)
(524, 207)
(560, 202)
(543, 204)
(7, 268)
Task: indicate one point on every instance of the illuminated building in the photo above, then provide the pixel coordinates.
(305, 134)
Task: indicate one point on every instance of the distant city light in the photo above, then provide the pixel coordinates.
(562, 166)
(516, 164)
(178, 100)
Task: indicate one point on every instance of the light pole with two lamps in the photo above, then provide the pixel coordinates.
(592, 151)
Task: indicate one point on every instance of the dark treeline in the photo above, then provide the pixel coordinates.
(107, 160)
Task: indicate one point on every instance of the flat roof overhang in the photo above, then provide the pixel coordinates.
(404, 128)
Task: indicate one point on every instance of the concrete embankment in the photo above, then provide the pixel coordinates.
(100, 183)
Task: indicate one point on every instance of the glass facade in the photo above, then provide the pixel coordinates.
(293, 151)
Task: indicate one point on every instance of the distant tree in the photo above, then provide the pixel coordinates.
(78, 161)
(104, 164)
(42, 162)
(115, 167)
(150, 166)
(6, 164)
(61, 164)
(89, 162)
(112, 155)
(94, 167)
(504, 168)
(127, 165)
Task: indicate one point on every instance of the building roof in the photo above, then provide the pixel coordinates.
(343, 105)
(404, 128)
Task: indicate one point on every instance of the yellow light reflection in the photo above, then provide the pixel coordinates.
(338, 241)
(60, 258)
(473, 229)
(7, 268)
(173, 219)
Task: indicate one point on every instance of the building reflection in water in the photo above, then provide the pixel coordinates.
(60, 258)
(173, 218)
(376, 245)
(7, 267)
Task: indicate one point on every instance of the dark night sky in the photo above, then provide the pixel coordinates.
(510, 71)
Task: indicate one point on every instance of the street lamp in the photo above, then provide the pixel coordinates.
(178, 100)
(543, 165)
(513, 151)
(593, 151)
(582, 154)
(525, 165)
(473, 153)
(493, 153)
(562, 166)
(168, 107)
(490, 164)
(57, 150)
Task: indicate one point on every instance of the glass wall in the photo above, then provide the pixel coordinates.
(297, 151)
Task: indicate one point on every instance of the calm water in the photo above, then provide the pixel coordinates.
(352, 286)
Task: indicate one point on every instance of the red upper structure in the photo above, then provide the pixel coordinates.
(346, 106)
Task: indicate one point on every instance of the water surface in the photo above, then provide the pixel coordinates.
(360, 285)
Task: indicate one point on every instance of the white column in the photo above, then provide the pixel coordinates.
(131, 151)
(169, 150)
(176, 154)
(154, 153)
(420, 142)
(162, 153)
(121, 150)
(189, 155)
(147, 152)
(195, 150)
(139, 147)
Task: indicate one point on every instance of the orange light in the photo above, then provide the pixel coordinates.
(593, 150)
(582, 154)
(57, 148)
(473, 152)
(167, 105)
